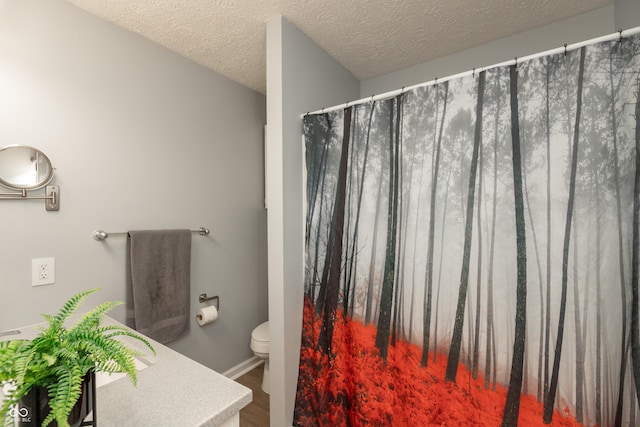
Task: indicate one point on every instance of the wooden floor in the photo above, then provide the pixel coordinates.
(256, 414)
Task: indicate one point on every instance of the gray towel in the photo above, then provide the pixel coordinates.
(158, 282)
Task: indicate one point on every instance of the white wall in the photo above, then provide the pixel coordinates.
(586, 26)
(301, 77)
(142, 139)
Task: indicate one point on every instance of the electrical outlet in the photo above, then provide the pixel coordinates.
(43, 271)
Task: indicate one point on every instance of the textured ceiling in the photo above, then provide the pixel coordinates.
(368, 37)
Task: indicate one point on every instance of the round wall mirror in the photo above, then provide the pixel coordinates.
(24, 168)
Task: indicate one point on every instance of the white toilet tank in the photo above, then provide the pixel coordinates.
(260, 339)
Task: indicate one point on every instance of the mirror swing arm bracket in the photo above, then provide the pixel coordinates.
(51, 197)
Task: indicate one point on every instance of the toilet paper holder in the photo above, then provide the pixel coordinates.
(205, 298)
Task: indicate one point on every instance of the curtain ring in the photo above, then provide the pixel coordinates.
(516, 62)
(565, 49)
(473, 73)
(620, 33)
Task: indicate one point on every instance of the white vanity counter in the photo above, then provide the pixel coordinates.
(172, 391)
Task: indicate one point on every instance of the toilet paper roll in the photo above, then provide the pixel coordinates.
(207, 315)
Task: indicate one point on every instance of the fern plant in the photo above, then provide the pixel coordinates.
(59, 357)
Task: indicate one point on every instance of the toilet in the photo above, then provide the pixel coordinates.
(260, 347)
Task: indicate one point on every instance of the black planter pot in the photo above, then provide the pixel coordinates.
(34, 407)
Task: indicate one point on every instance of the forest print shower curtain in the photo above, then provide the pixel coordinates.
(472, 250)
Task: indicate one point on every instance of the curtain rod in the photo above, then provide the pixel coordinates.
(619, 35)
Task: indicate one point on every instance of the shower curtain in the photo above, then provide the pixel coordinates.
(472, 250)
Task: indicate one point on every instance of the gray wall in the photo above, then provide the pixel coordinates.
(142, 139)
(627, 14)
(300, 77)
(588, 25)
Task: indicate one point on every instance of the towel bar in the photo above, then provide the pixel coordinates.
(101, 235)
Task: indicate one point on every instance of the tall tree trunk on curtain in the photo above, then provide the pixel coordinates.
(351, 236)
(432, 221)
(374, 245)
(456, 340)
(352, 255)
(489, 325)
(476, 337)
(399, 229)
(314, 279)
(322, 292)
(523, 144)
(333, 281)
(322, 170)
(547, 315)
(635, 274)
(598, 369)
(512, 406)
(553, 386)
(317, 163)
(579, 368)
(384, 319)
(324, 280)
(623, 284)
(444, 219)
(417, 214)
(494, 374)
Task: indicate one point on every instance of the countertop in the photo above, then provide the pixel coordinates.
(172, 391)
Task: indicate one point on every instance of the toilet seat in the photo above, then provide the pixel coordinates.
(260, 338)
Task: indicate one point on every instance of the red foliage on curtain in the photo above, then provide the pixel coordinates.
(356, 388)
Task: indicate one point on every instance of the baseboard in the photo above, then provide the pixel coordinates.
(243, 367)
